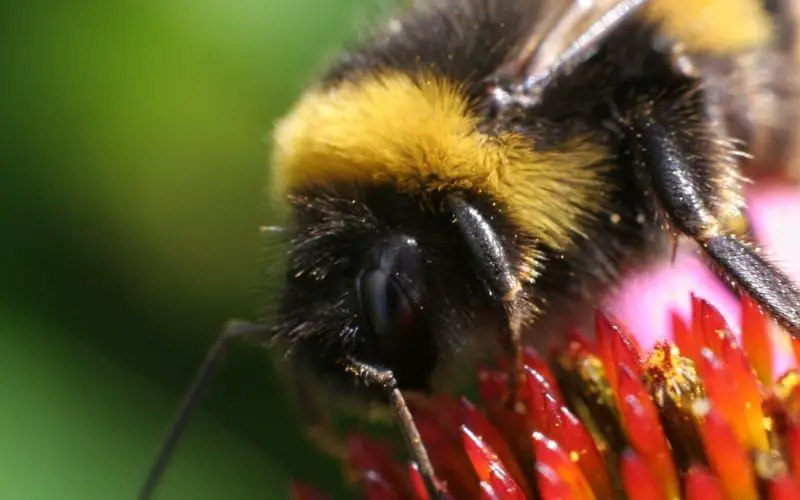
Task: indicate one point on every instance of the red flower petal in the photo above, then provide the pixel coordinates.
(488, 467)
(375, 487)
(645, 432)
(552, 418)
(577, 342)
(417, 483)
(796, 350)
(550, 455)
(626, 352)
(793, 451)
(748, 393)
(492, 385)
(504, 487)
(708, 324)
(637, 478)
(449, 459)
(783, 488)
(702, 485)
(722, 393)
(551, 485)
(728, 459)
(480, 425)
(532, 359)
(755, 340)
(301, 491)
(512, 424)
(686, 339)
(576, 440)
(374, 465)
(605, 331)
(482, 457)
(487, 492)
(540, 392)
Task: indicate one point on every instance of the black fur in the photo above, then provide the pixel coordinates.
(465, 41)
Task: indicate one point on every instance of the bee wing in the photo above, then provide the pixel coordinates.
(568, 34)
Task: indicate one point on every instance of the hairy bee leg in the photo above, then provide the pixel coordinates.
(233, 329)
(499, 275)
(516, 367)
(777, 293)
(670, 171)
(373, 375)
(739, 224)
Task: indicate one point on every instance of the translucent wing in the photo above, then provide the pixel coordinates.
(568, 34)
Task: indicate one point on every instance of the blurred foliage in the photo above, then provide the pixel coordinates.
(134, 163)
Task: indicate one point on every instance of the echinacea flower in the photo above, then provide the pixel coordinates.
(700, 414)
(694, 418)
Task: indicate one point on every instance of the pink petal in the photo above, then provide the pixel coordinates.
(645, 300)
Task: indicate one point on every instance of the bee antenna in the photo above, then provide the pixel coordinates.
(374, 375)
(233, 329)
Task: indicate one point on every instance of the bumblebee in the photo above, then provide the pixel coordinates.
(476, 172)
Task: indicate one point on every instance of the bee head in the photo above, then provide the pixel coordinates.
(382, 278)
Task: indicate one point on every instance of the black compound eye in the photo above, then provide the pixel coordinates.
(392, 297)
(388, 309)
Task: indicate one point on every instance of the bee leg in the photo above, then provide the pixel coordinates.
(514, 339)
(674, 171)
(385, 378)
(233, 329)
(499, 276)
(737, 221)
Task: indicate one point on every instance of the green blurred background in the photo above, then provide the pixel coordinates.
(134, 147)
